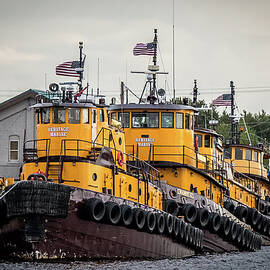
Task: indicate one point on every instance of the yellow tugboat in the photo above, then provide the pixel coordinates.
(82, 196)
(244, 174)
(197, 178)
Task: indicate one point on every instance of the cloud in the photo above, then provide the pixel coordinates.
(11, 56)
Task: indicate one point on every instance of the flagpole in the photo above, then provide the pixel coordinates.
(81, 66)
(235, 138)
(153, 91)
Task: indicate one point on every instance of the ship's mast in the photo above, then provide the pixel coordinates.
(152, 72)
(81, 66)
(154, 89)
(235, 135)
(195, 93)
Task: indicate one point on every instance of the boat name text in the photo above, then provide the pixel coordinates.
(58, 131)
(145, 141)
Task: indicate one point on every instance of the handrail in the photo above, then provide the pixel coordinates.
(142, 168)
(262, 170)
(212, 164)
(103, 138)
(34, 148)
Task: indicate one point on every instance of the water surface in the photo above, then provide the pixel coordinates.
(243, 260)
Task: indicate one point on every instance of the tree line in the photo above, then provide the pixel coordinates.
(254, 126)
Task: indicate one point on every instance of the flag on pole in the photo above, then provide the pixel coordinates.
(223, 100)
(71, 69)
(144, 49)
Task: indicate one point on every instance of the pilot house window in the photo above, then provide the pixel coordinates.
(113, 116)
(179, 120)
(187, 121)
(124, 119)
(199, 138)
(228, 153)
(167, 120)
(101, 115)
(59, 116)
(238, 153)
(45, 115)
(207, 140)
(145, 120)
(74, 116)
(85, 116)
(248, 154)
(256, 156)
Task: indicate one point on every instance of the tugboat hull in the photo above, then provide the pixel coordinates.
(72, 237)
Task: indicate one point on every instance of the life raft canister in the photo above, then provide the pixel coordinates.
(120, 158)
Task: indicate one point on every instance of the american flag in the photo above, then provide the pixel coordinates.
(144, 49)
(68, 69)
(223, 100)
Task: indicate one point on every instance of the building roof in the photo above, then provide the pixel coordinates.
(31, 93)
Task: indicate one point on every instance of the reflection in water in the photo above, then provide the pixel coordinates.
(244, 260)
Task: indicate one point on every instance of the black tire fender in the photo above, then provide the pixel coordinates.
(160, 227)
(150, 222)
(94, 209)
(139, 217)
(113, 212)
(169, 221)
(203, 217)
(190, 213)
(126, 214)
(229, 206)
(171, 207)
(215, 222)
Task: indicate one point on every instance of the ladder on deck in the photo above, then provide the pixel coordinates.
(54, 170)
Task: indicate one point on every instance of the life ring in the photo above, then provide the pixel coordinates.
(120, 158)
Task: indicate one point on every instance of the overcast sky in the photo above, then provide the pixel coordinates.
(215, 41)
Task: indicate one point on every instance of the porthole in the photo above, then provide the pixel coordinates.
(94, 176)
(120, 141)
(173, 193)
(129, 187)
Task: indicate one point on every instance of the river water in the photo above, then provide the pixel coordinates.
(237, 260)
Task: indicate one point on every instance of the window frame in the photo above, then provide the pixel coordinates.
(53, 114)
(168, 113)
(250, 154)
(138, 113)
(120, 119)
(206, 140)
(226, 152)
(41, 115)
(82, 115)
(235, 154)
(200, 139)
(101, 116)
(114, 115)
(177, 121)
(14, 138)
(187, 117)
(76, 121)
(256, 156)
